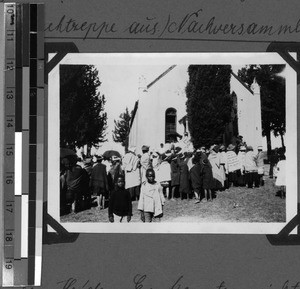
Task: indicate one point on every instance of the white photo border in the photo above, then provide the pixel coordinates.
(53, 112)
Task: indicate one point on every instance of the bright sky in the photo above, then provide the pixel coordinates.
(120, 86)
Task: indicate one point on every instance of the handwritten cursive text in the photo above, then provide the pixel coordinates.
(72, 283)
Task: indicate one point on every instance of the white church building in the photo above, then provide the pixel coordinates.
(160, 111)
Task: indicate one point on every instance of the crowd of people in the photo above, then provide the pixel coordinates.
(159, 175)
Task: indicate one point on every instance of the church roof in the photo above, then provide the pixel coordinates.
(136, 105)
(173, 66)
(242, 82)
(166, 72)
(160, 76)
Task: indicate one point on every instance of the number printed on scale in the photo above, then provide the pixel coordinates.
(10, 122)
(9, 179)
(9, 150)
(8, 264)
(9, 237)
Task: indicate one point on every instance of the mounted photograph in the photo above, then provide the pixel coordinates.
(172, 143)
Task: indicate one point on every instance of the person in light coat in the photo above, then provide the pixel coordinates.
(233, 166)
(251, 168)
(260, 165)
(131, 168)
(163, 174)
(223, 165)
(214, 159)
(151, 200)
(145, 161)
(242, 156)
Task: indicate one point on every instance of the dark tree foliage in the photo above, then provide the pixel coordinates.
(82, 117)
(209, 103)
(122, 129)
(272, 97)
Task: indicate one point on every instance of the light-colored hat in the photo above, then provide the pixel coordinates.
(166, 156)
(222, 147)
(231, 147)
(115, 158)
(259, 147)
(215, 148)
(242, 148)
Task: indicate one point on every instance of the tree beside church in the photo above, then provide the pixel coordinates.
(209, 103)
(122, 129)
(83, 120)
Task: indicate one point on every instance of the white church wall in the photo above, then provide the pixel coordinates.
(249, 114)
(170, 93)
(148, 127)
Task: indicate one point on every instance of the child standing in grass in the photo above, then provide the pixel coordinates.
(120, 205)
(151, 198)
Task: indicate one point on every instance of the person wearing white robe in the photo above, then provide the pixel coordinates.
(131, 167)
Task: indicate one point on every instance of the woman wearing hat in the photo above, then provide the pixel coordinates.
(99, 182)
(196, 178)
(251, 168)
(164, 172)
(114, 172)
(260, 165)
(184, 180)
(145, 161)
(175, 175)
(233, 166)
(214, 159)
(223, 165)
(131, 167)
(208, 180)
(242, 156)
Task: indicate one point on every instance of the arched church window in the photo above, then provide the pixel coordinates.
(171, 117)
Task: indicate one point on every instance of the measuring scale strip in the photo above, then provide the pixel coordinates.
(9, 139)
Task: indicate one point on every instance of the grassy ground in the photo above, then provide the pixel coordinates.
(233, 205)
